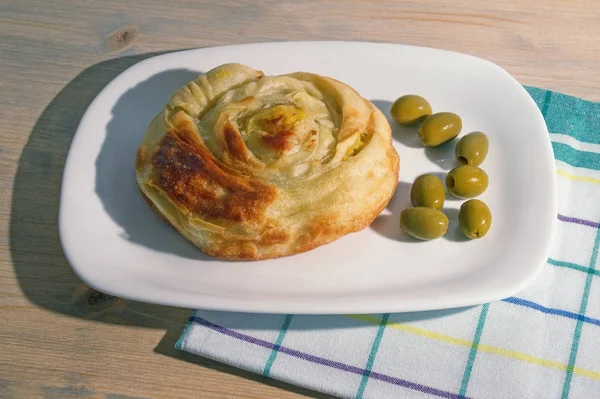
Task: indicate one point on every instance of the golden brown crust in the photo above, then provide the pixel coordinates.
(189, 175)
(252, 167)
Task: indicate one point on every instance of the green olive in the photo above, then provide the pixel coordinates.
(472, 149)
(424, 223)
(439, 128)
(466, 181)
(410, 109)
(474, 218)
(429, 191)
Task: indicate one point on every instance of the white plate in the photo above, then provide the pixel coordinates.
(116, 244)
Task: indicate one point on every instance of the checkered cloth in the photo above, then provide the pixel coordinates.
(542, 343)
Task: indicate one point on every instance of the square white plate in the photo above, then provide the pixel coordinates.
(116, 244)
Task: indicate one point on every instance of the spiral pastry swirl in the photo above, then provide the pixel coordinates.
(248, 166)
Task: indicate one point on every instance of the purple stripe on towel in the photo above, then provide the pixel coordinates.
(583, 222)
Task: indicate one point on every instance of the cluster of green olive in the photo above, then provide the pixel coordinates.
(425, 220)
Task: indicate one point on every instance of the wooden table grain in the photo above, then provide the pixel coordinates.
(59, 339)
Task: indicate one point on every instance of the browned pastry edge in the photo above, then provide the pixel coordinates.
(315, 235)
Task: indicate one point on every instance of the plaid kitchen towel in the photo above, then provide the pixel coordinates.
(542, 343)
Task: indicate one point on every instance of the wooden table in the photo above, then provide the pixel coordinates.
(59, 339)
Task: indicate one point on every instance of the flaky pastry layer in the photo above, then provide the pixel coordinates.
(248, 166)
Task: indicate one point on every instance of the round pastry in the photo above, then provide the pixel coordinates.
(248, 166)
